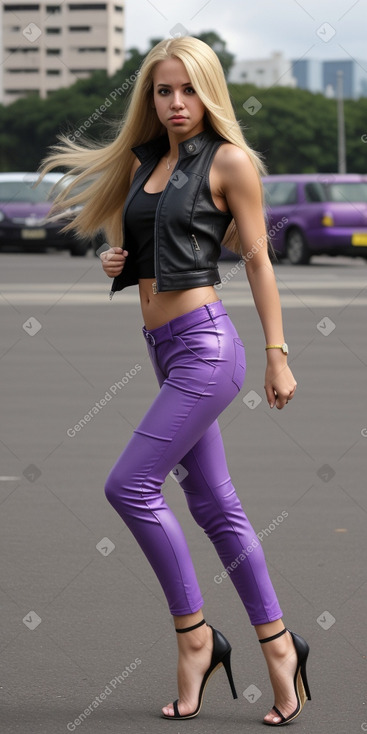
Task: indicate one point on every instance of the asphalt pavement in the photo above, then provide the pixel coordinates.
(86, 641)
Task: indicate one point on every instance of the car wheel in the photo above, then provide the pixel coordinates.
(79, 248)
(297, 249)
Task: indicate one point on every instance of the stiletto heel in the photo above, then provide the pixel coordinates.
(221, 655)
(301, 687)
(227, 666)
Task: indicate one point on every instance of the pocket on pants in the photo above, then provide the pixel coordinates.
(239, 369)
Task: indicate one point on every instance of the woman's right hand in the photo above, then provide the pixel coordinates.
(113, 261)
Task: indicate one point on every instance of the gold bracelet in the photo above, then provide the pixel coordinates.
(283, 347)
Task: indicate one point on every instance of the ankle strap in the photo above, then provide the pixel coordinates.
(273, 637)
(194, 627)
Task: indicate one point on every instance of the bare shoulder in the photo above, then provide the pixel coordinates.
(234, 166)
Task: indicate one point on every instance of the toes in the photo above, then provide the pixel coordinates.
(272, 718)
(168, 710)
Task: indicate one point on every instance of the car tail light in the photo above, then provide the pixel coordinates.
(327, 220)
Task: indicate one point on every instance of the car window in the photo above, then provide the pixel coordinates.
(315, 192)
(22, 191)
(278, 193)
(345, 192)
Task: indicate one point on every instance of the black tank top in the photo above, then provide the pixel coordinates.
(139, 226)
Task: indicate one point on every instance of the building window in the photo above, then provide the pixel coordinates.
(118, 8)
(15, 28)
(79, 28)
(91, 49)
(20, 50)
(53, 31)
(53, 9)
(117, 29)
(89, 6)
(53, 72)
(22, 71)
(53, 52)
(117, 51)
(19, 8)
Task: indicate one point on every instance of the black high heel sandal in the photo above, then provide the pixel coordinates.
(221, 655)
(301, 686)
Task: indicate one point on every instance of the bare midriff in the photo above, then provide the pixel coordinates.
(159, 308)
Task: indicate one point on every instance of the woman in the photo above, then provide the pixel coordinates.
(189, 183)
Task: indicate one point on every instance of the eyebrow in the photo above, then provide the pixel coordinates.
(186, 84)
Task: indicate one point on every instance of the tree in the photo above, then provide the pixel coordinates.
(219, 46)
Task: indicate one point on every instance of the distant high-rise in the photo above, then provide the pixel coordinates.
(48, 44)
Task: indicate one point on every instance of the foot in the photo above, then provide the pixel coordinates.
(281, 658)
(194, 657)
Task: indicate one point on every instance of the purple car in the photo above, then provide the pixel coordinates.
(316, 214)
(23, 212)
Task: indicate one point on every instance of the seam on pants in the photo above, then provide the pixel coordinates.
(230, 524)
(199, 397)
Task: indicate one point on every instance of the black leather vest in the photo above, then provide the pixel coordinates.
(189, 228)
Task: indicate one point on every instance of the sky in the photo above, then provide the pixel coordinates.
(311, 29)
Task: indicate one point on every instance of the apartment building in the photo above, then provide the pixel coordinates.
(48, 44)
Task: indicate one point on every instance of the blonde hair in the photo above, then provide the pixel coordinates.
(107, 167)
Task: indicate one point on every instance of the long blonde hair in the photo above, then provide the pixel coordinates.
(107, 167)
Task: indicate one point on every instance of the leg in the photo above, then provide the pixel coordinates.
(196, 388)
(214, 505)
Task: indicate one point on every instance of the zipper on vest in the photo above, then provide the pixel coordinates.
(195, 242)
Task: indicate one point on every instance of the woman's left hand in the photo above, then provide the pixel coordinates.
(280, 384)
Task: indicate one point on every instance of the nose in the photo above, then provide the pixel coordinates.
(177, 102)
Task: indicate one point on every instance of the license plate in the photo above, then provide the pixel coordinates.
(33, 234)
(359, 240)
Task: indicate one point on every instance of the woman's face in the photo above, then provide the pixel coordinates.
(177, 105)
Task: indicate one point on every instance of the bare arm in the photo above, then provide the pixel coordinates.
(242, 191)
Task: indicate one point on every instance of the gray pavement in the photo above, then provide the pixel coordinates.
(84, 624)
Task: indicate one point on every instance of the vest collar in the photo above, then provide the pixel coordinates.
(155, 149)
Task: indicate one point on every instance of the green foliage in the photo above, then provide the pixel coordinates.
(295, 130)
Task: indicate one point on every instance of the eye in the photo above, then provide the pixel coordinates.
(163, 92)
(190, 90)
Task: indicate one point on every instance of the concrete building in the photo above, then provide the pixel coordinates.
(308, 74)
(275, 71)
(48, 44)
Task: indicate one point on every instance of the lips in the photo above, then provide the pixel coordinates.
(178, 117)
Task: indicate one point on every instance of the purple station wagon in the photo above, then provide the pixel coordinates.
(316, 214)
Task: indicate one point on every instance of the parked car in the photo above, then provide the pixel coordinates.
(316, 214)
(23, 211)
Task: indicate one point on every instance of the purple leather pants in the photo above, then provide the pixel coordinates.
(200, 365)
